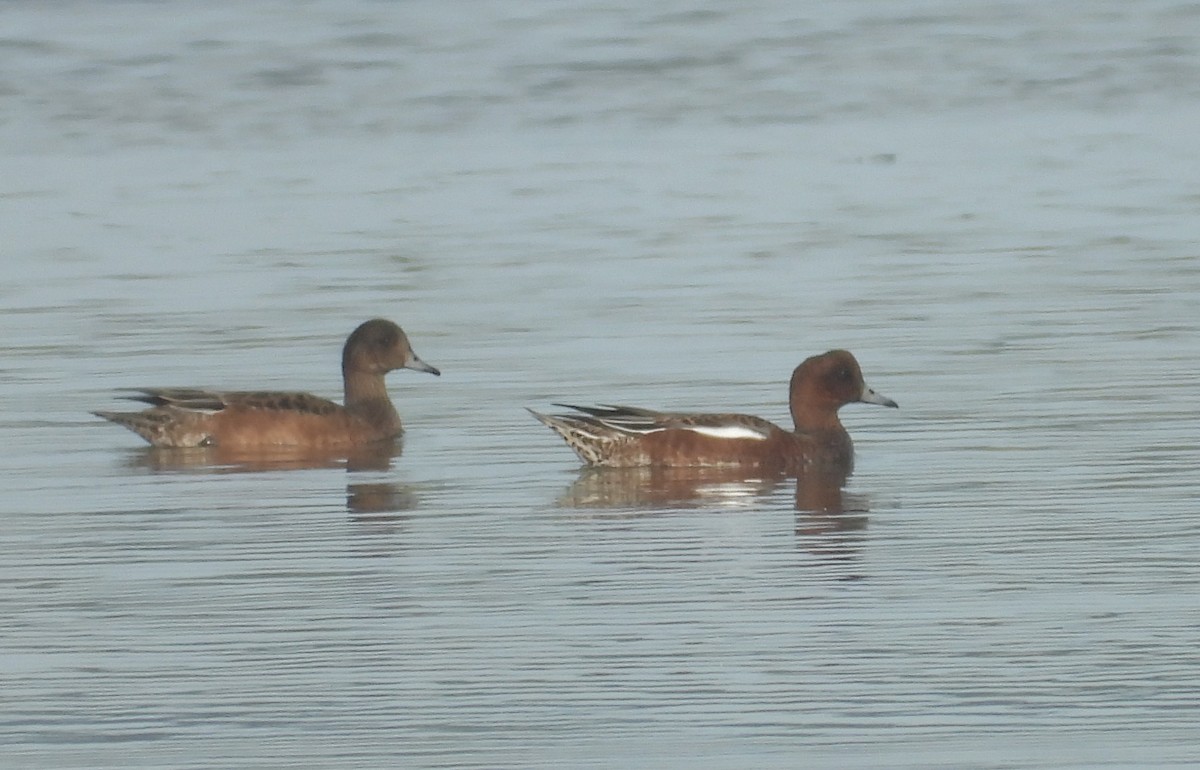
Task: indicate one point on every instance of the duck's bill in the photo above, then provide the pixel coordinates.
(420, 366)
(871, 397)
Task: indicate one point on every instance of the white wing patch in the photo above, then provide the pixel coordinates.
(729, 431)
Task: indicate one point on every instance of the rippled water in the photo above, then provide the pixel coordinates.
(666, 205)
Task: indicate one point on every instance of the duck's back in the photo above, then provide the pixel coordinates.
(190, 417)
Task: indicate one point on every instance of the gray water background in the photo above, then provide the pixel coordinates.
(994, 205)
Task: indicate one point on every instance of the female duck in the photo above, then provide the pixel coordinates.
(250, 420)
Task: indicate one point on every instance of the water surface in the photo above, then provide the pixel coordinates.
(992, 205)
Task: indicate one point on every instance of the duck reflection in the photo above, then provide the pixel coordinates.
(825, 512)
(361, 497)
(653, 487)
(829, 520)
(380, 498)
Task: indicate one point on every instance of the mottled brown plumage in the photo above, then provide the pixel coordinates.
(192, 417)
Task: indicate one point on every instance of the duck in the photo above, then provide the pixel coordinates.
(258, 420)
(626, 437)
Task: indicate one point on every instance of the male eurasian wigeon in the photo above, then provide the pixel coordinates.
(250, 420)
(622, 436)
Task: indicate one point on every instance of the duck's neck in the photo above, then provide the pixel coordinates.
(817, 420)
(367, 397)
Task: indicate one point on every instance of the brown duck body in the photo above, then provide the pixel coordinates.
(248, 420)
(617, 436)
